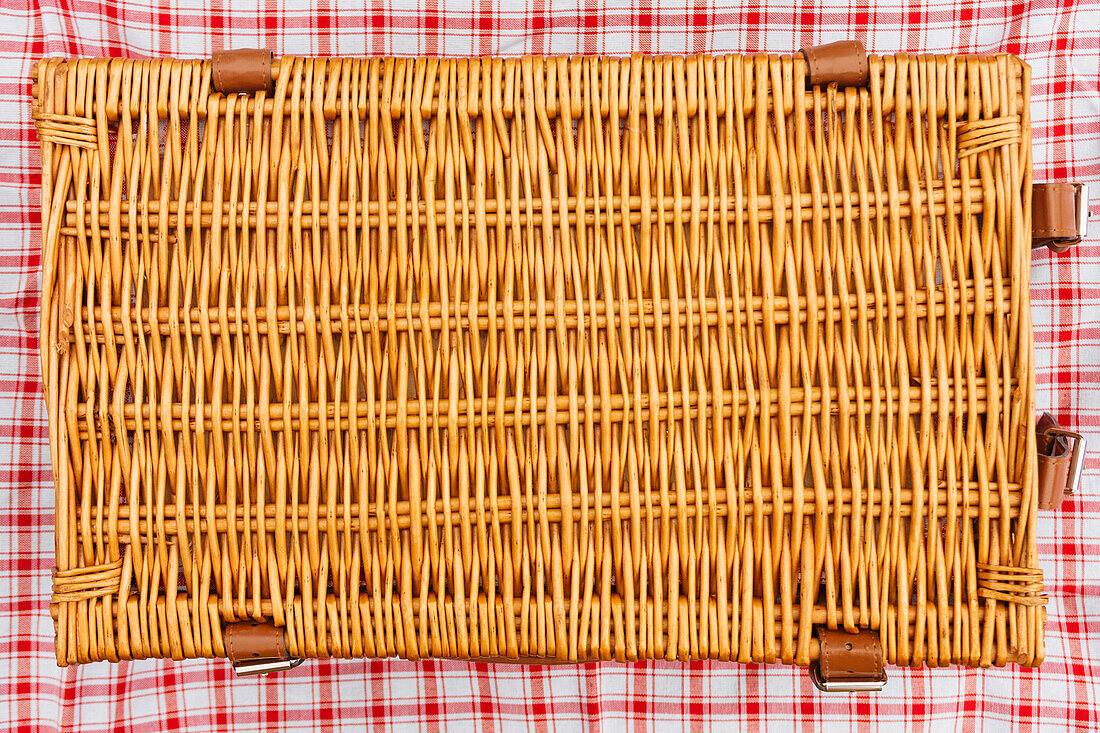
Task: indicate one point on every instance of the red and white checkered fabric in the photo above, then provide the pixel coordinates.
(1061, 41)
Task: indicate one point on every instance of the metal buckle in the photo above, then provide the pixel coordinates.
(252, 667)
(848, 685)
(1076, 463)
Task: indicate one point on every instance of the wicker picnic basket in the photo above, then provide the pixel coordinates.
(560, 359)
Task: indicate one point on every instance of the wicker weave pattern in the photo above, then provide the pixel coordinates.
(572, 358)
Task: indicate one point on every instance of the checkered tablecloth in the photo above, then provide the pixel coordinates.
(1061, 41)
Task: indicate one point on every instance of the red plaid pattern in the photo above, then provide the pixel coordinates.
(1059, 38)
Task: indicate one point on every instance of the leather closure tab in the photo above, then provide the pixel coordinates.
(1059, 466)
(849, 662)
(1059, 213)
(242, 70)
(256, 648)
(843, 62)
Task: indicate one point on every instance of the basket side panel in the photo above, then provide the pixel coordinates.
(554, 358)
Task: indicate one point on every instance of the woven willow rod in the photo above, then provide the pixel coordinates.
(556, 358)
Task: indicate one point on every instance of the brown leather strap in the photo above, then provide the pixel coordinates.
(249, 641)
(1056, 215)
(849, 657)
(843, 62)
(1054, 459)
(242, 70)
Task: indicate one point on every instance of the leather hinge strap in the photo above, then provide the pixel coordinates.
(242, 70)
(842, 62)
(1059, 215)
(849, 662)
(1060, 463)
(257, 648)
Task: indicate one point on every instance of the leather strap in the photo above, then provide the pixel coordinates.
(242, 70)
(849, 657)
(1054, 460)
(1056, 216)
(249, 641)
(843, 62)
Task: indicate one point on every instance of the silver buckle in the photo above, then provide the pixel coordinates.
(848, 685)
(251, 667)
(1077, 460)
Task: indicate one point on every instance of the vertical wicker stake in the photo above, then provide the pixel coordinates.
(561, 359)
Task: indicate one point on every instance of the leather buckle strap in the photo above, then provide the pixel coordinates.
(242, 70)
(1059, 465)
(843, 62)
(848, 662)
(255, 648)
(1059, 215)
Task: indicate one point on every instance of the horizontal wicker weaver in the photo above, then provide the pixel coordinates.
(565, 358)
